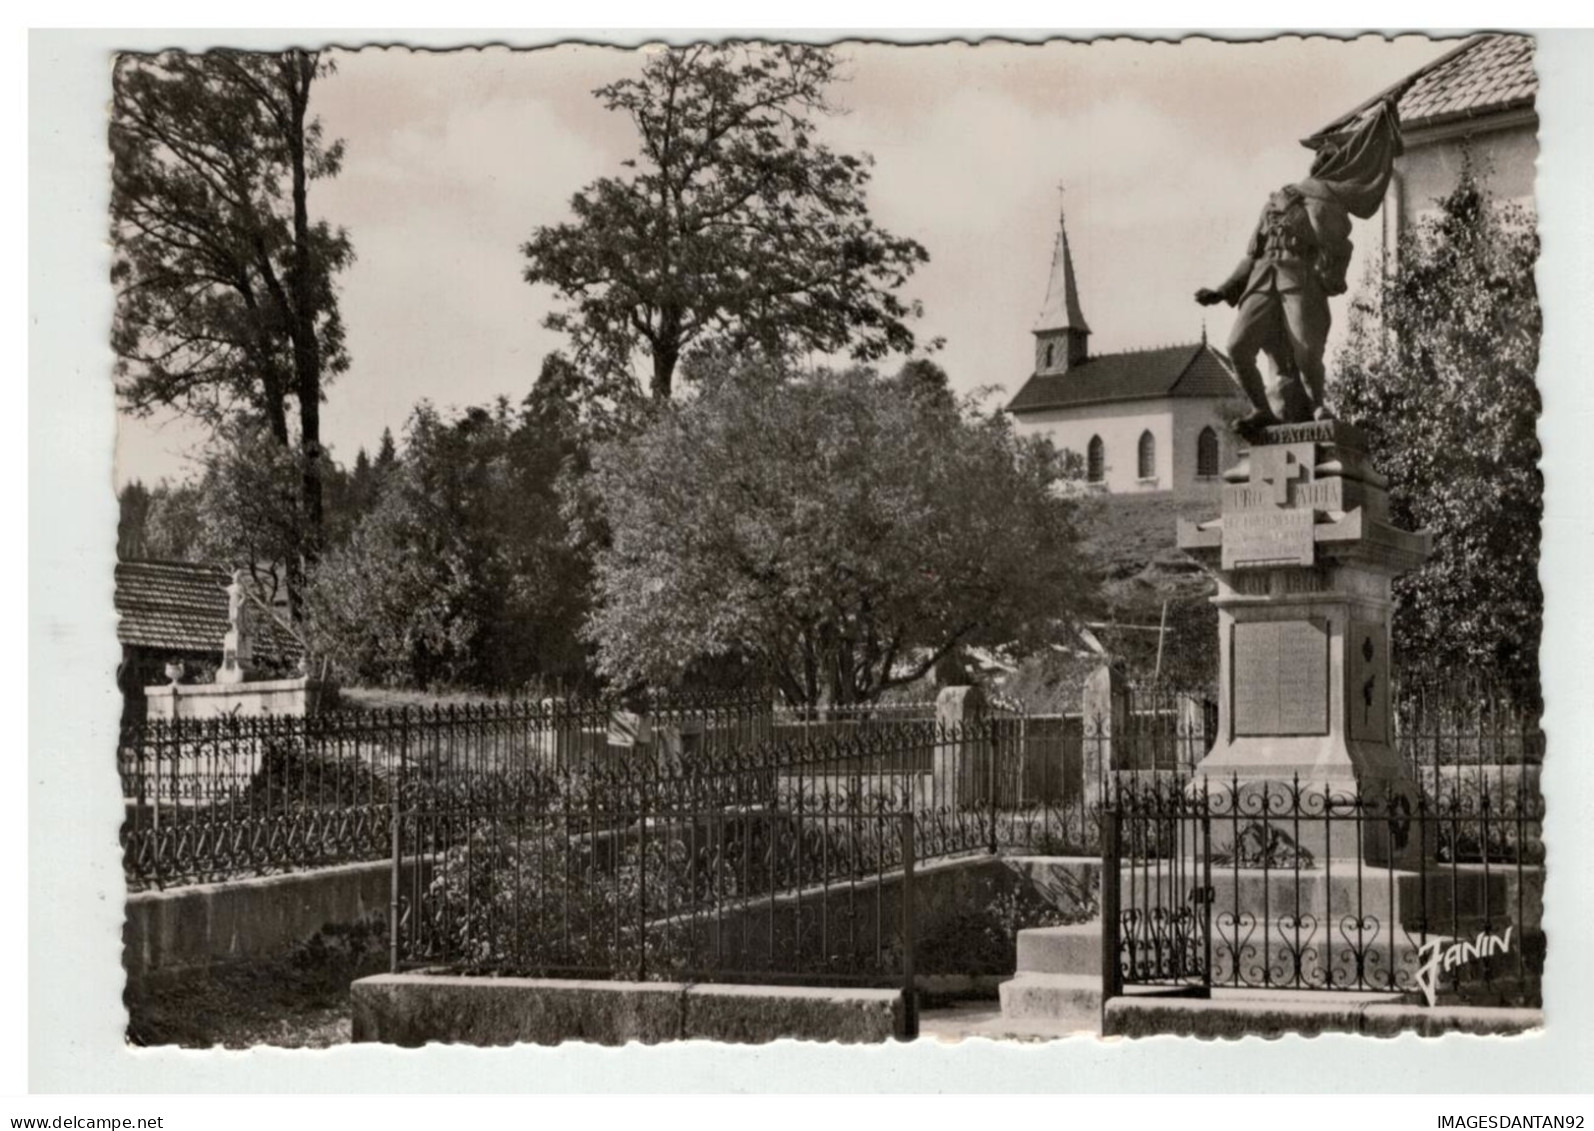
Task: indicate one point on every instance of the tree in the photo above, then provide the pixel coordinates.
(461, 574)
(734, 224)
(224, 284)
(1439, 371)
(250, 511)
(386, 455)
(134, 501)
(172, 526)
(836, 532)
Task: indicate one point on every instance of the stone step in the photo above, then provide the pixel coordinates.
(1074, 949)
(1061, 998)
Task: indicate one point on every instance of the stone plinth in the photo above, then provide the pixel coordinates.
(1304, 554)
(291, 697)
(1104, 716)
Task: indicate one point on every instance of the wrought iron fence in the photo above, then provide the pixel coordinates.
(633, 874)
(1467, 744)
(784, 860)
(839, 721)
(1324, 886)
(721, 836)
(217, 798)
(208, 799)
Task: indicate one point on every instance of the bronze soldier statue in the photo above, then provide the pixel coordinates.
(1295, 261)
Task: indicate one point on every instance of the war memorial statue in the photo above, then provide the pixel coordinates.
(1305, 549)
(1295, 262)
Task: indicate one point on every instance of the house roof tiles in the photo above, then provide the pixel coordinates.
(1487, 74)
(182, 607)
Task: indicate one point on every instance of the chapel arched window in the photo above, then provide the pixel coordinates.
(1206, 454)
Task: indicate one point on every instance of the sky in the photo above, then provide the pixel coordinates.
(1160, 155)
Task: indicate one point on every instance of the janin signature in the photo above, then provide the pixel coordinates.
(1442, 954)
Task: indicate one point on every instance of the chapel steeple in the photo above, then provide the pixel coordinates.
(1060, 331)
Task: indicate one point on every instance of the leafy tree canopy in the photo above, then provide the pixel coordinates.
(224, 285)
(461, 574)
(1440, 372)
(733, 223)
(837, 532)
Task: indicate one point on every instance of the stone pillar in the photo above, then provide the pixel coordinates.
(1104, 716)
(1304, 554)
(961, 759)
(1193, 738)
(630, 728)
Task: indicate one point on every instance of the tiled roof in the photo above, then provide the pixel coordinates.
(1487, 74)
(182, 607)
(1194, 370)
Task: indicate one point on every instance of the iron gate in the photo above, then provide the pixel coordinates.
(1402, 887)
(1157, 893)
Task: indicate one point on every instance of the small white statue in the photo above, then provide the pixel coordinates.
(237, 647)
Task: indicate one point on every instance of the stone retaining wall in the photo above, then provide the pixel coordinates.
(851, 922)
(256, 918)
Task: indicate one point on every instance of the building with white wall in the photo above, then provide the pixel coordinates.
(1478, 97)
(1143, 421)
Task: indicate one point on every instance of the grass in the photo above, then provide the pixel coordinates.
(301, 1001)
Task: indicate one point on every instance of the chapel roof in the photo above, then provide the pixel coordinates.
(1487, 74)
(1191, 370)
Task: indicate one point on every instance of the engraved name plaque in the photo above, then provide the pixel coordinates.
(1253, 539)
(1280, 678)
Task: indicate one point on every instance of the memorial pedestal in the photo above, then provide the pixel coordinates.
(1304, 554)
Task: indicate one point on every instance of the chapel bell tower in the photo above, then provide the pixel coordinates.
(1060, 330)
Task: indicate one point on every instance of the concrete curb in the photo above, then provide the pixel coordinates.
(412, 1010)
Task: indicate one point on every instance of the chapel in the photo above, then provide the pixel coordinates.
(1144, 421)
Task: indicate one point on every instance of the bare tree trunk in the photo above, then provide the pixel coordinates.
(299, 71)
(663, 374)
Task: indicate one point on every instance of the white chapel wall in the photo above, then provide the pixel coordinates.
(1120, 427)
(1175, 424)
(1190, 416)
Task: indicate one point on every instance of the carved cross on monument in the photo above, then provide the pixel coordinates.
(1278, 467)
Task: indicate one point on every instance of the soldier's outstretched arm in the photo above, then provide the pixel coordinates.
(1232, 289)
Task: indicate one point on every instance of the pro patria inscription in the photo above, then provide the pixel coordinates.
(1280, 678)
